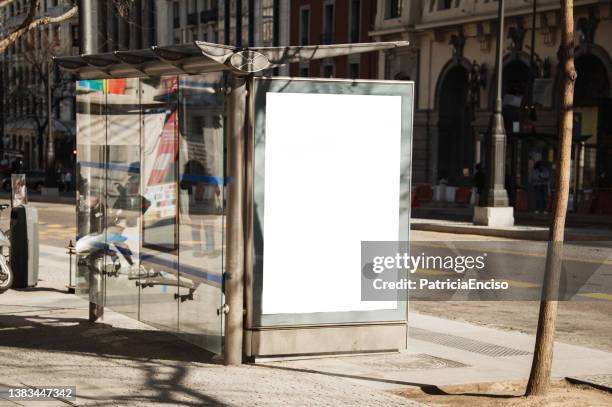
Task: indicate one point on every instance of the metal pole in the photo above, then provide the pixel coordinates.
(533, 28)
(249, 208)
(50, 180)
(495, 194)
(234, 274)
(88, 26)
(88, 30)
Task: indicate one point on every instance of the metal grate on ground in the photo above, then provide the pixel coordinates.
(467, 344)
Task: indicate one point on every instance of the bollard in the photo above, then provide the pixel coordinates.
(70, 251)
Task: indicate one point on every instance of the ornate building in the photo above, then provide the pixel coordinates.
(452, 60)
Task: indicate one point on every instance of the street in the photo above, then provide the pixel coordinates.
(586, 323)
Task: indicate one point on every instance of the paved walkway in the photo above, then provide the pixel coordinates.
(514, 232)
(443, 352)
(46, 340)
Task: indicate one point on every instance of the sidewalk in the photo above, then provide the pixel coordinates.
(514, 232)
(46, 340)
(463, 213)
(443, 352)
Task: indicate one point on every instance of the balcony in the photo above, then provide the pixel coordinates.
(209, 16)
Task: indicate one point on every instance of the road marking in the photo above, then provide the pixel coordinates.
(520, 284)
(598, 296)
(432, 272)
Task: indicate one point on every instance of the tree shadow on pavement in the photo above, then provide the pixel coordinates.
(163, 360)
(429, 389)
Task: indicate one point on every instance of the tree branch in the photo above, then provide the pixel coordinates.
(29, 24)
(6, 2)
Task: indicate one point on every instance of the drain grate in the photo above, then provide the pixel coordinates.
(470, 345)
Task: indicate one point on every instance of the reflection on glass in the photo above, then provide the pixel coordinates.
(91, 189)
(159, 235)
(201, 209)
(123, 195)
(137, 177)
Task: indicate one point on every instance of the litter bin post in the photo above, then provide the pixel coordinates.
(70, 250)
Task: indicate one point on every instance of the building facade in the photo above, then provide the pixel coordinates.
(452, 58)
(26, 71)
(319, 22)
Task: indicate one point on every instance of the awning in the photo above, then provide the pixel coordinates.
(201, 57)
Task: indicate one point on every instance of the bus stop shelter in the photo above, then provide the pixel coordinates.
(228, 206)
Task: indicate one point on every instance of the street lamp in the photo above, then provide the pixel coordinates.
(493, 209)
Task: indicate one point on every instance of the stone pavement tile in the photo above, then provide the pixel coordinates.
(120, 361)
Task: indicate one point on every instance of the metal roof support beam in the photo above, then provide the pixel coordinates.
(234, 242)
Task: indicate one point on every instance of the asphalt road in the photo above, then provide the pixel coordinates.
(56, 222)
(586, 322)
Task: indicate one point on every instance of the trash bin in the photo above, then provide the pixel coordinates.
(24, 246)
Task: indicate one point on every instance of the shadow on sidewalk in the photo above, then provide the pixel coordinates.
(429, 389)
(162, 359)
(40, 288)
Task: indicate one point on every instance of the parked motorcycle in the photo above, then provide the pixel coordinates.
(6, 274)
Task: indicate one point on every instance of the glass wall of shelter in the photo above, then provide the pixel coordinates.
(150, 211)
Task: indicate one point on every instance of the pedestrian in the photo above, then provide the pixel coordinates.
(67, 181)
(479, 181)
(540, 178)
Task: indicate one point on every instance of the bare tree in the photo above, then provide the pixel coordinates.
(539, 379)
(29, 84)
(31, 21)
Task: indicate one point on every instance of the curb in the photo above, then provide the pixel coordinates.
(540, 234)
(593, 382)
(45, 199)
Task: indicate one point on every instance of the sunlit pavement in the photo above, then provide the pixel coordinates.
(45, 339)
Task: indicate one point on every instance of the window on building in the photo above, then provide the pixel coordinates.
(56, 33)
(176, 14)
(304, 72)
(354, 26)
(354, 70)
(328, 24)
(75, 35)
(393, 8)
(304, 26)
(267, 12)
(445, 4)
(328, 71)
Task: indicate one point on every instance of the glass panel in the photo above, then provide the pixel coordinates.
(123, 195)
(158, 256)
(201, 209)
(91, 189)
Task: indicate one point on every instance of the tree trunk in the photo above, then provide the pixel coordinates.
(539, 379)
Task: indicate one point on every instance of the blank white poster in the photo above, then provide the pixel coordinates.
(332, 179)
